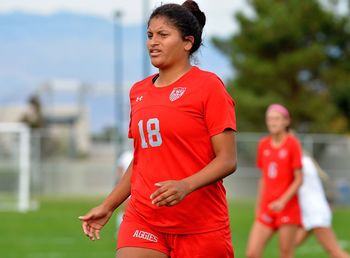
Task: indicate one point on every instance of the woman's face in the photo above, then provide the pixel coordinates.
(165, 45)
(276, 122)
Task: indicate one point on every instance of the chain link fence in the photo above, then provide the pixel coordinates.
(94, 173)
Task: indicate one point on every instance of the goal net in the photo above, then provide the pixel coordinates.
(14, 167)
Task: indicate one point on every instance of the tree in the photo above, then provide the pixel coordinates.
(296, 53)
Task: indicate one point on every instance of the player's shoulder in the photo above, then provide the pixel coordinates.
(208, 83)
(264, 143)
(208, 78)
(265, 140)
(200, 72)
(139, 85)
(293, 139)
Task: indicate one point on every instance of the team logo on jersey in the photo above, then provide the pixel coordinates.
(177, 93)
(267, 152)
(282, 153)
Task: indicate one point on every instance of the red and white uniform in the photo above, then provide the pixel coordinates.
(277, 165)
(172, 127)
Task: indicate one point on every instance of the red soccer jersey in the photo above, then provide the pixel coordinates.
(277, 165)
(171, 127)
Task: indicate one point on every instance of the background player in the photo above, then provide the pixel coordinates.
(279, 158)
(316, 213)
(182, 123)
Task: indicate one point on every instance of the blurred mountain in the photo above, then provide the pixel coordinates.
(35, 48)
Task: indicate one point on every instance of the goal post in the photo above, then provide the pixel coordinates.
(15, 178)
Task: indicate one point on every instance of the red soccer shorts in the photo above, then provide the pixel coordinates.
(134, 232)
(290, 215)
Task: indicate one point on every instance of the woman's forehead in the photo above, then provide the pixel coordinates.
(274, 113)
(160, 22)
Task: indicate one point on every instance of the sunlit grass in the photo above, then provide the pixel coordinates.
(54, 231)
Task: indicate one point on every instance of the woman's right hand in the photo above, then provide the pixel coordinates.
(94, 221)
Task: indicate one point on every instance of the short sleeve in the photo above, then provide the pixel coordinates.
(129, 130)
(296, 155)
(219, 107)
(130, 136)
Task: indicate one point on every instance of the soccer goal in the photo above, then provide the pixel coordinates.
(14, 167)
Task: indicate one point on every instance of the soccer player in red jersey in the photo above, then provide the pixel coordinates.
(183, 125)
(279, 159)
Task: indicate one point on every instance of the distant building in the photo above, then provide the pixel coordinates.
(64, 124)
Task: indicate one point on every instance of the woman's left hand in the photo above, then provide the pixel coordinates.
(276, 205)
(169, 192)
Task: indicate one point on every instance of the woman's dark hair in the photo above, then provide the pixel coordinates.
(188, 18)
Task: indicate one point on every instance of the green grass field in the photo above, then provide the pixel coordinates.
(55, 232)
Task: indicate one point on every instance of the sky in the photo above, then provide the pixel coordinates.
(219, 13)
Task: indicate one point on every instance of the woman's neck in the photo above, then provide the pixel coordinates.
(278, 139)
(170, 75)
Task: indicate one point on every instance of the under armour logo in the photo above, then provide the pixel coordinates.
(139, 98)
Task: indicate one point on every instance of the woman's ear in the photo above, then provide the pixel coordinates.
(189, 40)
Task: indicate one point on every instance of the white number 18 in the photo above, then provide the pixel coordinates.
(154, 137)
